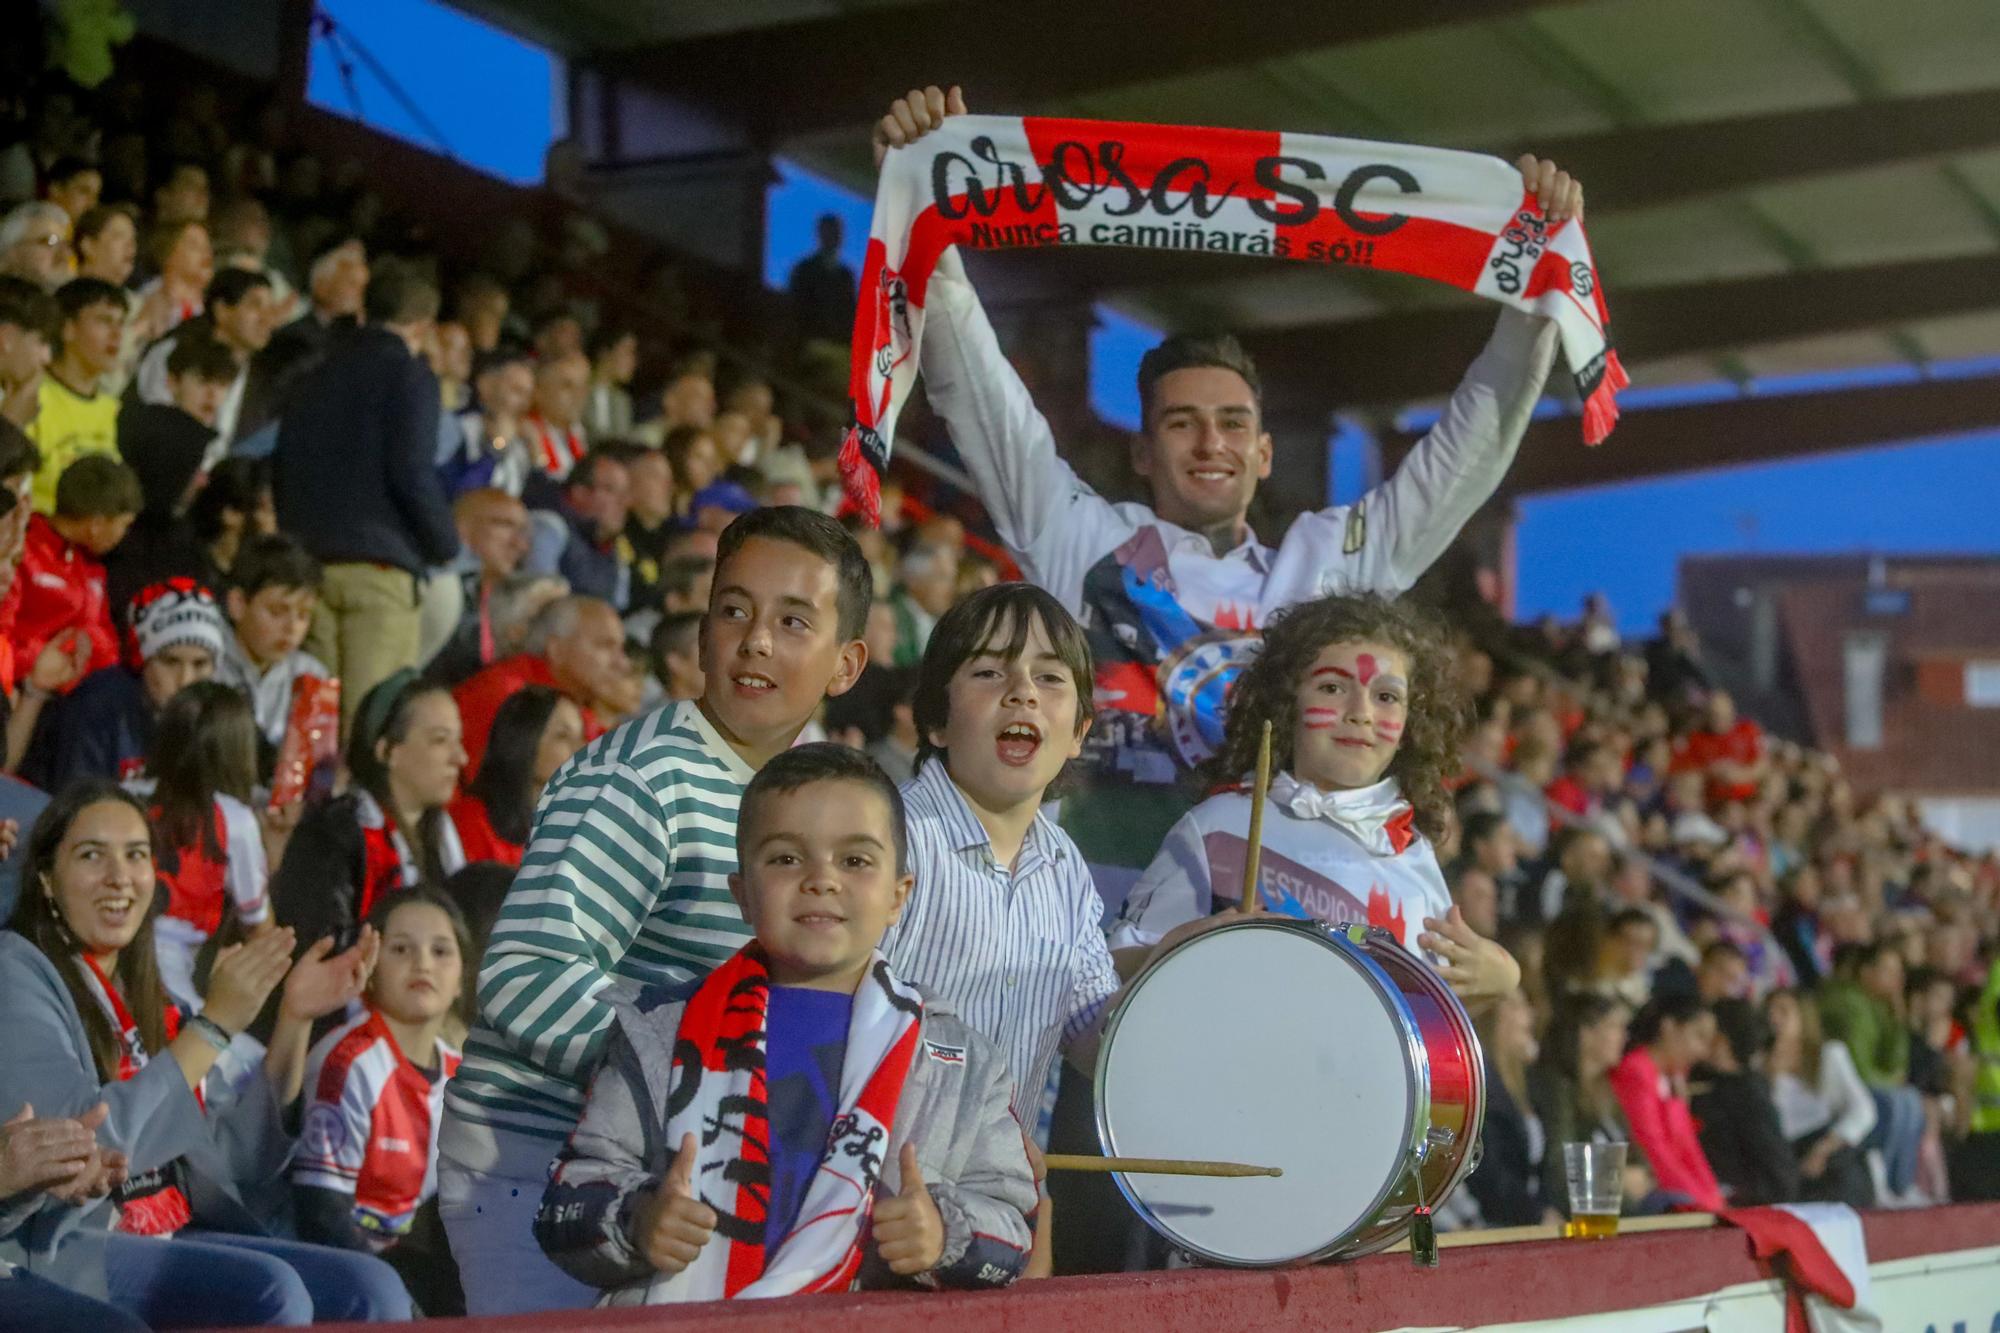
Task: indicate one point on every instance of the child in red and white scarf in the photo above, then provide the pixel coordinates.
(800, 1120)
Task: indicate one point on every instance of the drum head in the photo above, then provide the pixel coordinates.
(1272, 1045)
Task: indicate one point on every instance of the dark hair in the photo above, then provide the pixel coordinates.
(80, 294)
(673, 634)
(399, 294)
(395, 706)
(1633, 916)
(65, 169)
(1269, 688)
(1920, 979)
(98, 486)
(275, 560)
(480, 890)
(586, 469)
(1722, 949)
(96, 219)
(428, 895)
(1475, 828)
(1677, 1007)
(824, 761)
(18, 455)
(198, 353)
(680, 573)
(162, 237)
(472, 287)
(609, 336)
(1186, 351)
(235, 483)
(505, 783)
(499, 358)
(231, 284)
(26, 306)
(1742, 1025)
(971, 626)
(825, 538)
(678, 442)
(38, 919)
(204, 745)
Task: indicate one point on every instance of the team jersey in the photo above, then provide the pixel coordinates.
(67, 426)
(1171, 622)
(226, 867)
(1363, 861)
(371, 1128)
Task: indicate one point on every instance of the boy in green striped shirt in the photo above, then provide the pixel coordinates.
(626, 883)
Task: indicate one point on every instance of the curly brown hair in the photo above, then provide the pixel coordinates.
(1438, 711)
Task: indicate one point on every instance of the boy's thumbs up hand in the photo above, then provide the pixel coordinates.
(673, 1224)
(909, 1234)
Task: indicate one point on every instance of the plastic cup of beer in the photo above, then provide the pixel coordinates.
(1596, 1173)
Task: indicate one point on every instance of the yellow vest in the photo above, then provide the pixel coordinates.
(66, 427)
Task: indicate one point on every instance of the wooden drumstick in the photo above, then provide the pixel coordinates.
(1254, 851)
(1155, 1166)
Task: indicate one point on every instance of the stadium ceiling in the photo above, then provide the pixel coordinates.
(1774, 186)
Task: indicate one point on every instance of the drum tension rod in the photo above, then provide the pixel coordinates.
(1423, 1231)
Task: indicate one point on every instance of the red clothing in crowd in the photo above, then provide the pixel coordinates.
(1741, 744)
(1568, 793)
(59, 586)
(479, 700)
(476, 832)
(1663, 1127)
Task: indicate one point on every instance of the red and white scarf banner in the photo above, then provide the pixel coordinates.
(1008, 182)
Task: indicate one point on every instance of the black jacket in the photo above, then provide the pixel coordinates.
(354, 473)
(1740, 1135)
(1508, 1181)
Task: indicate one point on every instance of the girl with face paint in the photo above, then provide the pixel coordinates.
(1366, 720)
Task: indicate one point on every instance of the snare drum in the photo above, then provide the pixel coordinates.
(1330, 1052)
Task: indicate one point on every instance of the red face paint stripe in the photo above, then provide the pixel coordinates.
(1320, 719)
(1365, 665)
(1334, 671)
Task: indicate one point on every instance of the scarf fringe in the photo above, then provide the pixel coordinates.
(1600, 410)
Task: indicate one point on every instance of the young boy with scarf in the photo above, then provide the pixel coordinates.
(624, 882)
(801, 1120)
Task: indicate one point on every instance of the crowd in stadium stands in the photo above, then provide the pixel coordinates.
(251, 436)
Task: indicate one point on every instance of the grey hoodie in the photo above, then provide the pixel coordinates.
(954, 1108)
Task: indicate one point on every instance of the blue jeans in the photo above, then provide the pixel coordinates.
(32, 1303)
(1898, 1133)
(205, 1279)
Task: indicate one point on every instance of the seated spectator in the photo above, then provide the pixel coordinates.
(534, 732)
(583, 538)
(183, 262)
(675, 653)
(1631, 938)
(365, 1177)
(1669, 1037)
(1729, 750)
(512, 607)
(214, 852)
(390, 831)
(697, 463)
(49, 1163)
(1824, 1109)
(238, 321)
(1733, 1105)
(687, 402)
(61, 583)
(1859, 1007)
(1570, 1088)
(493, 528)
(30, 325)
(1723, 973)
(1526, 808)
(1581, 872)
(1930, 997)
(480, 891)
(73, 184)
(1673, 661)
(1508, 1181)
(272, 593)
(649, 521)
(75, 416)
(496, 454)
(614, 359)
(1487, 842)
(89, 1023)
(577, 645)
(554, 423)
(104, 727)
(35, 244)
(107, 248)
(927, 585)
(1478, 900)
(1797, 925)
(166, 445)
(1593, 772)
(233, 508)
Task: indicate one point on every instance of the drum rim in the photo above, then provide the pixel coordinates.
(1415, 1129)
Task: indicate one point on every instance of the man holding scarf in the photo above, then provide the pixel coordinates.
(1174, 594)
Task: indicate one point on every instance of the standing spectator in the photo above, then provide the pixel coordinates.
(273, 591)
(554, 424)
(576, 645)
(1670, 1036)
(30, 325)
(354, 481)
(1863, 1007)
(535, 731)
(74, 416)
(1673, 661)
(1824, 1109)
(337, 287)
(822, 287)
(614, 359)
(1734, 1107)
(61, 584)
(35, 244)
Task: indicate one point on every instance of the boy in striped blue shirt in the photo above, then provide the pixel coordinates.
(625, 884)
(1004, 923)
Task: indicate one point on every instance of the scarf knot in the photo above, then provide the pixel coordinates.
(1377, 817)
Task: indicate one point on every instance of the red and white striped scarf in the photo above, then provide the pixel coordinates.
(556, 450)
(1000, 182)
(727, 1108)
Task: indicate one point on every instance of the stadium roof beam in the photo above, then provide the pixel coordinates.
(1413, 355)
(1672, 440)
(836, 71)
